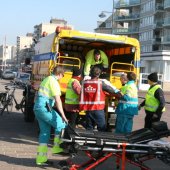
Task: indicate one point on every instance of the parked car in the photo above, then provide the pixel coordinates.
(22, 78)
(8, 74)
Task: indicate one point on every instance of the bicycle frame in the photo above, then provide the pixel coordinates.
(10, 97)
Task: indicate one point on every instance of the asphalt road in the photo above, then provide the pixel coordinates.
(19, 140)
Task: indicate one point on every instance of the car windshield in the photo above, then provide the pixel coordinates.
(8, 72)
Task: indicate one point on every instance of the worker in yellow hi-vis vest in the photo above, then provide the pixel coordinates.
(72, 97)
(48, 95)
(95, 57)
(154, 103)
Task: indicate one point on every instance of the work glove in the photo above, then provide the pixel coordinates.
(87, 78)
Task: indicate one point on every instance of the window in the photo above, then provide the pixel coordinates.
(167, 71)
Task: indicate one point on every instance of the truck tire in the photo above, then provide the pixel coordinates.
(29, 114)
(29, 105)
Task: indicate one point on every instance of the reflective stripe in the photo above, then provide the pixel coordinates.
(56, 144)
(45, 89)
(98, 102)
(127, 102)
(42, 94)
(71, 100)
(42, 144)
(41, 153)
(153, 107)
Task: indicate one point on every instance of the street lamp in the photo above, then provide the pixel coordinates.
(103, 15)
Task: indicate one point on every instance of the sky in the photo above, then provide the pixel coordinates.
(18, 17)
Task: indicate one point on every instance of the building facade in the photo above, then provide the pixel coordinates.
(23, 43)
(149, 22)
(44, 29)
(7, 53)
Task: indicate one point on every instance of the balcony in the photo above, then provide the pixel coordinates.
(125, 31)
(158, 25)
(159, 8)
(167, 4)
(127, 18)
(156, 40)
(166, 39)
(127, 4)
(166, 22)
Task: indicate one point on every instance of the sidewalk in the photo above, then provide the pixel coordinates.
(19, 141)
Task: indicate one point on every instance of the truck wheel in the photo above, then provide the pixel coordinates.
(29, 105)
(29, 114)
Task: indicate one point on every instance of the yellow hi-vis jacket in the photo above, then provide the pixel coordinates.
(151, 103)
(71, 96)
(90, 61)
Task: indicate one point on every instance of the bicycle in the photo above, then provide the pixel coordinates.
(8, 98)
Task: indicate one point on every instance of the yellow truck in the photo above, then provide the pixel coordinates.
(69, 47)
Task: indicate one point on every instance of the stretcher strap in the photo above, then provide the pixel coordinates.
(123, 156)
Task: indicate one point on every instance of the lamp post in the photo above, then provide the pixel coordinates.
(102, 15)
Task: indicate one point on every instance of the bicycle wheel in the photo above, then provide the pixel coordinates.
(3, 102)
(2, 99)
(23, 105)
(10, 103)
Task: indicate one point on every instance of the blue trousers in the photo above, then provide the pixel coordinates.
(95, 117)
(124, 124)
(46, 120)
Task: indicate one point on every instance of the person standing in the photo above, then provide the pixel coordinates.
(123, 80)
(95, 57)
(48, 95)
(72, 97)
(154, 103)
(127, 106)
(92, 100)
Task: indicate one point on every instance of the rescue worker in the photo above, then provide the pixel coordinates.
(48, 95)
(123, 80)
(127, 106)
(154, 103)
(95, 57)
(72, 97)
(92, 100)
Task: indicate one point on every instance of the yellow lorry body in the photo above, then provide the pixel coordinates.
(69, 47)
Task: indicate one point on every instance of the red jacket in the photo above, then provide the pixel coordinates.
(92, 96)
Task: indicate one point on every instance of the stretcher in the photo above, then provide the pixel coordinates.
(134, 148)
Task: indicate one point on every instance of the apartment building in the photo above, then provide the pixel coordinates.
(23, 43)
(44, 29)
(149, 22)
(7, 53)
